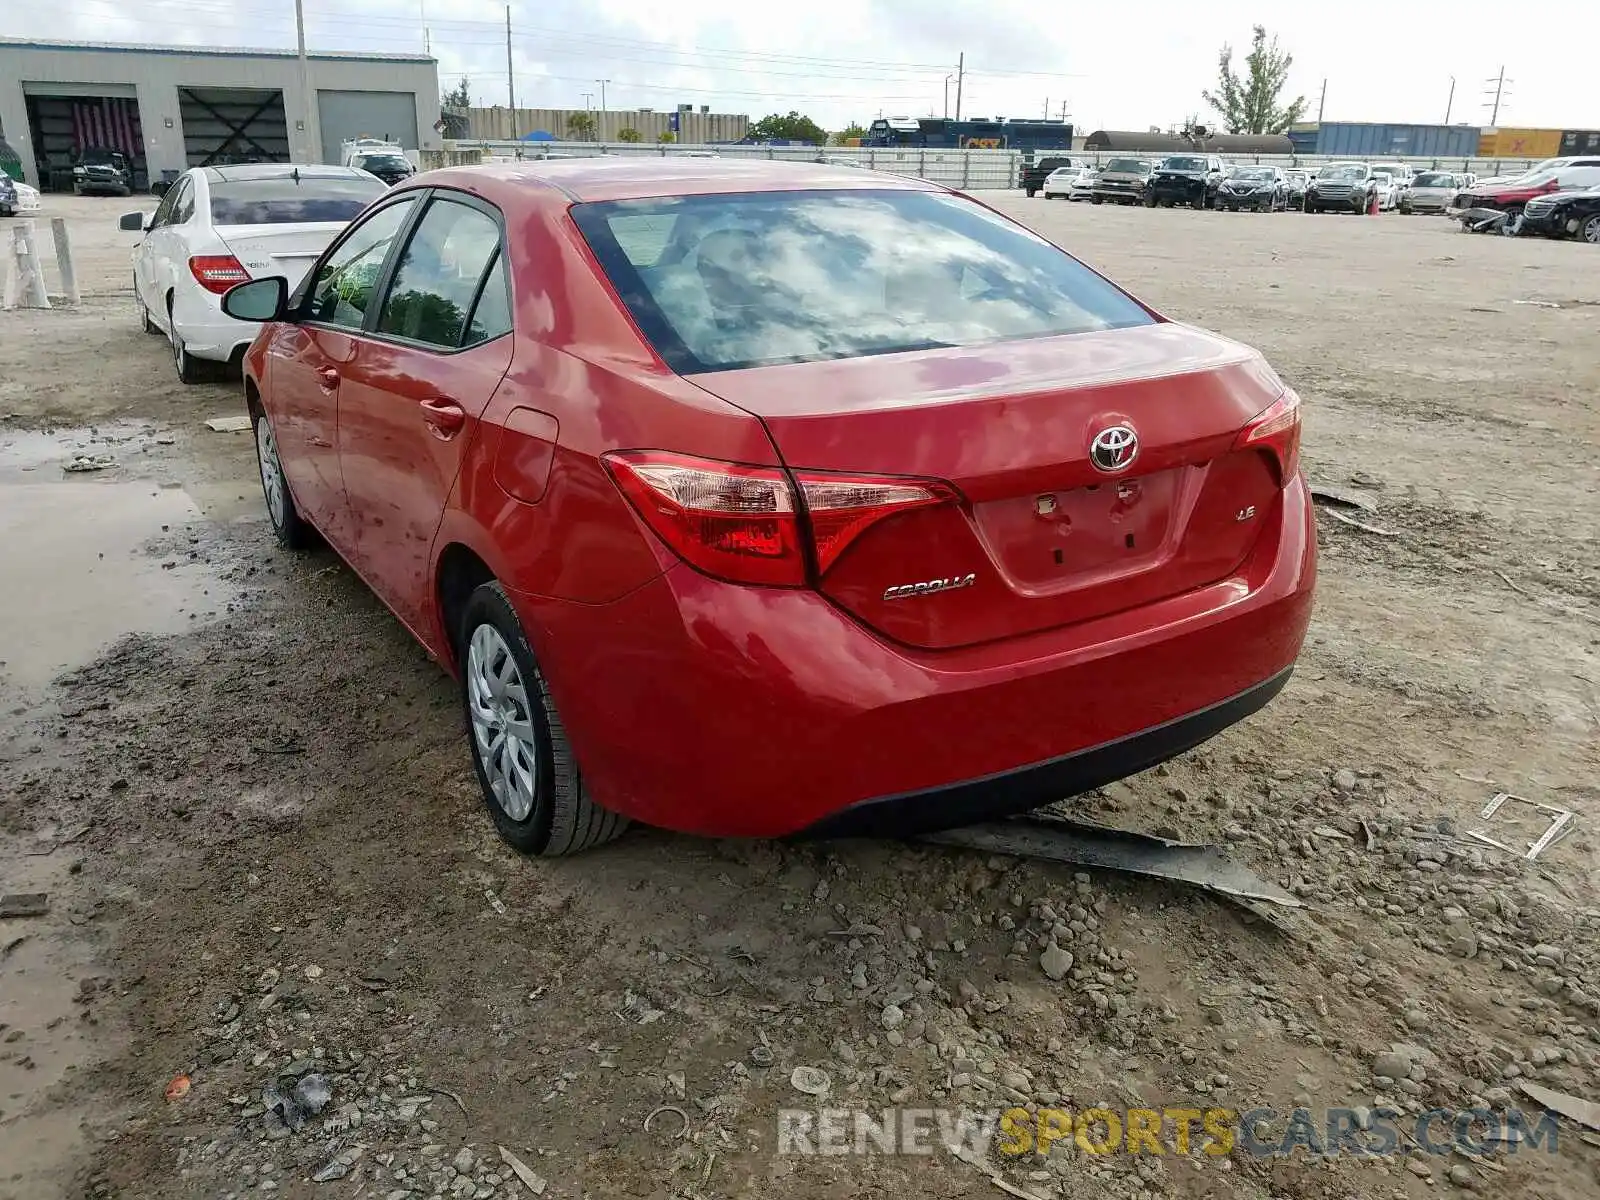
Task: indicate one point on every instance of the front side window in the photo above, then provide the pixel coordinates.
(342, 289)
(728, 281)
(439, 275)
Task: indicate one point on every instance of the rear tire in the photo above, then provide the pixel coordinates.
(525, 766)
(1590, 230)
(291, 530)
(190, 369)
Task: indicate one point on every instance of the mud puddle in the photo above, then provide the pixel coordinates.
(88, 549)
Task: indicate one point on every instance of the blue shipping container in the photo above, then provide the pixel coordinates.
(1349, 139)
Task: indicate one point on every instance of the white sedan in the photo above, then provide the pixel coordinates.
(218, 226)
(1388, 188)
(1058, 184)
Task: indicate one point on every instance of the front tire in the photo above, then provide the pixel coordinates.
(291, 530)
(525, 766)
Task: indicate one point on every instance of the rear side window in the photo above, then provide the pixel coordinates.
(437, 281)
(491, 316)
(728, 281)
(284, 199)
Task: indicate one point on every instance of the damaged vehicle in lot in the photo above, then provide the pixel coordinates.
(1122, 181)
(1191, 179)
(1430, 192)
(1565, 214)
(1342, 187)
(1254, 189)
(1500, 206)
(750, 500)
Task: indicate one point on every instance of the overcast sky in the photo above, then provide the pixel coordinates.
(1117, 66)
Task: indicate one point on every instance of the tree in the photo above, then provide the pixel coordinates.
(458, 96)
(1250, 105)
(666, 136)
(852, 130)
(793, 128)
(580, 125)
(629, 134)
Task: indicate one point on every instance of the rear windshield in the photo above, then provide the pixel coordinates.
(1183, 164)
(385, 162)
(1135, 166)
(281, 200)
(728, 281)
(1433, 179)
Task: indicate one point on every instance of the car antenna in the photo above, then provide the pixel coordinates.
(295, 174)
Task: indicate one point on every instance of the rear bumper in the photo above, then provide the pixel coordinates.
(1027, 788)
(207, 331)
(735, 711)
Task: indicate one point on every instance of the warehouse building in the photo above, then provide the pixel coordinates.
(167, 108)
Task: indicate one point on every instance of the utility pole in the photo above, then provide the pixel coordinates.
(308, 118)
(511, 79)
(427, 41)
(961, 73)
(1047, 108)
(1322, 103)
(600, 133)
(1450, 103)
(1499, 92)
(947, 80)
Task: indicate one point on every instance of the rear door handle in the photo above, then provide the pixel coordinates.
(328, 377)
(444, 417)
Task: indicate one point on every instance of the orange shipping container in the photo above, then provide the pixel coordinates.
(1519, 143)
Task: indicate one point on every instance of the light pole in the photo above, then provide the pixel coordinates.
(601, 131)
(947, 80)
(307, 119)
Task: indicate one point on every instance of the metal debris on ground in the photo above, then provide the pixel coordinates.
(24, 904)
(813, 1081)
(535, 1183)
(81, 463)
(1361, 525)
(1560, 825)
(297, 1104)
(973, 1159)
(1068, 841)
(1576, 1108)
(239, 424)
(1343, 497)
(675, 1111)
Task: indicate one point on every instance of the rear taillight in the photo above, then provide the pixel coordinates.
(217, 272)
(747, 524)
(1276, 429)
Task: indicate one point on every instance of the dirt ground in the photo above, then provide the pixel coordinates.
(247, 795)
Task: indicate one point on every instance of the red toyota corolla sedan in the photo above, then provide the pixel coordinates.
(757, 498)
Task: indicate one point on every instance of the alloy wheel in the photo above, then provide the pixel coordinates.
(272, 486)
(502, 723)
(1591, 230)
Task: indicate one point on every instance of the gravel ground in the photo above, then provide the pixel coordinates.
(272, 886)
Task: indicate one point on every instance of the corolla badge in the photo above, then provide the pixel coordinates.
(1114, 448)
(928, 587)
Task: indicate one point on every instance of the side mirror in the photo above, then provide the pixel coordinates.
(161, 187)
(265, 299)
(132, 222)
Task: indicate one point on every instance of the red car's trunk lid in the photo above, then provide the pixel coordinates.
(1045, 536)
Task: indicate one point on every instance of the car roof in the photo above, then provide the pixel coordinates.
(619, 178)
(246, 171)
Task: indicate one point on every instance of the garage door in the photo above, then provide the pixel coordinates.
(346, 115)
(233, 125)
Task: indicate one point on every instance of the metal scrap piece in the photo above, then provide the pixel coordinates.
(1083, 844)
(1560, 825)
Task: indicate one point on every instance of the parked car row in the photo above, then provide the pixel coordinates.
(1555, 199)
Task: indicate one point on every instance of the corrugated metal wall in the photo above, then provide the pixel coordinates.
(1580, 141)
(1362, 140)
(694, 127)
(1519, 143)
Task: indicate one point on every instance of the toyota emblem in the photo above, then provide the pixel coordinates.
(1114, 449)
